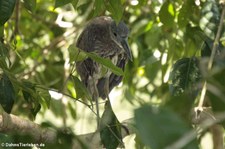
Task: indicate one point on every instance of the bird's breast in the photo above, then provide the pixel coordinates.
(103, 72)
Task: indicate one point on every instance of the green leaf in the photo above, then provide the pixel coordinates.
(30, 5)
(115, 8)
(208, 46)
(72, 111)
(210, 18)
(216, 89)
(74, 3)
(57, 107)
(184, 15)
(110, 128)
(35, 110)
(81, 90)
(1, 32)
(4, 56)
(181, 104)
(158, 127)
(59, 3)
(152, 38)
(44, 95)
(106, 62)
(33, 97)
(141, 27)
(76, 54)
(82, 6)
(151, 70)
(28, 91)
(166, 14)
(99, 7)
(6, 10)
(184, 76)
(138, 143)
(7, 93)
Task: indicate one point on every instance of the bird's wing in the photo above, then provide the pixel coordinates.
(85, 42)
(85, 69)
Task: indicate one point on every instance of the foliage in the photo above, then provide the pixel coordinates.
(171, 43)
(7, 93)
(185, 75)
(170, 128)
(6, 10)
(110, 128)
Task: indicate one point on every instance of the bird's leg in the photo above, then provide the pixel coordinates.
(97, 105)
(94, 92)
(106, 87)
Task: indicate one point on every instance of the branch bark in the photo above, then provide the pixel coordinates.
(10, 124)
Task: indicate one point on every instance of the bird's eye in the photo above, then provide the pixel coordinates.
(115, 34)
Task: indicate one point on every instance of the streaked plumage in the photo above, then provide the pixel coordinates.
(109, 40)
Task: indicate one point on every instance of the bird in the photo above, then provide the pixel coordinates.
(107, 39)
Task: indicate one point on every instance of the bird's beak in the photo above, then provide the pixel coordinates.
(126, 47)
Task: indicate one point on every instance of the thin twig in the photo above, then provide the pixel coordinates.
(16, 30)
(188, 137)
(55, 90)
(216, 41)
(212, 56)
(202, 97)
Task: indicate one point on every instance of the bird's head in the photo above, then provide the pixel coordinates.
(119, 34)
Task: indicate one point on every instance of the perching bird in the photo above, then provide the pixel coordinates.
(107, 39)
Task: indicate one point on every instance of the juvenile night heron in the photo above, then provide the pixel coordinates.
(107, 39)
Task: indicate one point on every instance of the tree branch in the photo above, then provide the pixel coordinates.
(204, 120)
(10, 124)
(212, 56)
